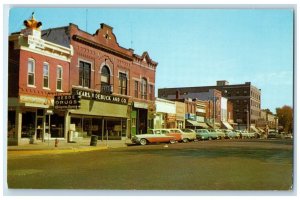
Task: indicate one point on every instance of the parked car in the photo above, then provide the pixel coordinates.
(202, 134)
(177, 135)
(186, 135)
(288, 136)
(273, 135)
(190, 134)
(220, 133)
(213, 134)
(153, 136)
(205, 134)
(232, 134)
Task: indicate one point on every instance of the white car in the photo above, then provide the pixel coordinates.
(153, 136)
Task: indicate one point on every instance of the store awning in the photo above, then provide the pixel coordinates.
(227, 125)
(196, 124)
(261, 130)
(254, 129)
(203, 125)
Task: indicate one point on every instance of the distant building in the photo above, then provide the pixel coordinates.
(267, 121)
(246, 99)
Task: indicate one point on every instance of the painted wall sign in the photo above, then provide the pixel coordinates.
(67, 102)
(93, 95)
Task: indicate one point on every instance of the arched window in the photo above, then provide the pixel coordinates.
(144, 86)
(105, 79)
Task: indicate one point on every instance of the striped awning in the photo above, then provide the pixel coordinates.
(254, 129)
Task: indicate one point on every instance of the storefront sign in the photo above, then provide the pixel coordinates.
(100, 97)
(140, 105)
(36, 42)
(171, 117)
(190, 116)
(67, 102)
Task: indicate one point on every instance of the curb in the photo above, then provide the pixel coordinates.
(53, 151)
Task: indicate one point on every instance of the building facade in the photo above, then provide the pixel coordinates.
(114, 87)
(37, 71)
(246, 99)
(165, 116)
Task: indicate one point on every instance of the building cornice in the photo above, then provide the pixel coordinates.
(100, 47)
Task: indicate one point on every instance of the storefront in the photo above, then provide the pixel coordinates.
(139, 118)
(165, 114)
(103, 115)
(31, 118)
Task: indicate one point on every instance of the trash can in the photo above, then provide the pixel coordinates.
(94, 139)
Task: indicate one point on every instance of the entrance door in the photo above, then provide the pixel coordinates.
(133, 122)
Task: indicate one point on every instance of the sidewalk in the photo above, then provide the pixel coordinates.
(63, 146)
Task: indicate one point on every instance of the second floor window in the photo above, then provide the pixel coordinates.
(84, 74)
(136, 89)
(31, 72)
(105, 79)
(144, 88)
(122, 83)
(59, 78)
(151, 92)
(46, 75)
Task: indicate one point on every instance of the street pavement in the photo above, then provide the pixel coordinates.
(205, 165)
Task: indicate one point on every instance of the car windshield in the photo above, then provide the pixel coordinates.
(187, 130)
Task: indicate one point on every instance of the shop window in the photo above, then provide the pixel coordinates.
(84, 74)
(11, 124)
(136, 89)
(57, 126)
(46, 75)
(122, 83)
(144, 88)
(31, 72)
(59, 76)
(28, 124)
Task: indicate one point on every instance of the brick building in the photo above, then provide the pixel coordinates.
(116, 85)
(37, 70)
(246, 99)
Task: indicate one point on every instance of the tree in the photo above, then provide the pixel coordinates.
(285, 118)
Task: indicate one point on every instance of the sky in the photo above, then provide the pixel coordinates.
(194, 46)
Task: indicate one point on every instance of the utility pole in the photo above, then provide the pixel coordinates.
(214, 106)
(248, 114)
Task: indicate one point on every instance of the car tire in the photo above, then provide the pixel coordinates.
(185, 140)
(172, 141)
(143, 141)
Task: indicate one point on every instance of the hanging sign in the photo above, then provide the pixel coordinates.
(67, 102)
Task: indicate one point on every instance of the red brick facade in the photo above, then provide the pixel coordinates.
(102, 49)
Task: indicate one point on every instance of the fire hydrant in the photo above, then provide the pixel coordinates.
(56, 142)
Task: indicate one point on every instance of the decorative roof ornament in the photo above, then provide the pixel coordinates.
(32, 23)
